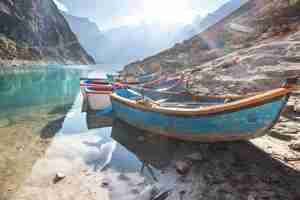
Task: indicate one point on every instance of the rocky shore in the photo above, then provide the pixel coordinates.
(263, 168)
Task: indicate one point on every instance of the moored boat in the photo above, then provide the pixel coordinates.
(97, 98)
(205, 119)
(96, 91)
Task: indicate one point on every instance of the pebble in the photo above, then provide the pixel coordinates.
(181, 194)
(20, 148)
(288, 109)
(104, 184)
(250, 197)
(183, 167)
(141, 138)
(123, 177)
(58, 177)
(297, 108)
(295, 146)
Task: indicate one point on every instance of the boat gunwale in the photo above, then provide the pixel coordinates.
(95, 92)
(250, 101)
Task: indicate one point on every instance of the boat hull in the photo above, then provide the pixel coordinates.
(243, 124)
(98, 101)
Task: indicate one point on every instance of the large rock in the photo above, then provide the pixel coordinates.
(36, 30)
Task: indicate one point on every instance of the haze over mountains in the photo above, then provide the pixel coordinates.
(128, 43)
(123, 44)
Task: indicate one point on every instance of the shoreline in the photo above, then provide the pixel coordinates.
(24, 63)
(263, 168)
(260, 168)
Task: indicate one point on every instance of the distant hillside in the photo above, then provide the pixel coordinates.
(224, 11)
(89, 35)
(128, 43)
(35, 31)
(123, 44)
(212, 42)
(202, 23)
(253, 49)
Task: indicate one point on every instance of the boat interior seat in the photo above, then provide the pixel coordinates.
(187, 104)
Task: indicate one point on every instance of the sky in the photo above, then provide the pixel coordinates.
(114, 13)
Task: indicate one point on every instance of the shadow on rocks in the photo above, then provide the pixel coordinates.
(240, 170)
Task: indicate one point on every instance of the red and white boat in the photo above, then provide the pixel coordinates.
(96, 91)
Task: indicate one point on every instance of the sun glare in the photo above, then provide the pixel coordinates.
(167, 11)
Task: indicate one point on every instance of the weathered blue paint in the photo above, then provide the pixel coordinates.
(246, 121)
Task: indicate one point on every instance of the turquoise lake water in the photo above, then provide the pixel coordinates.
(44, 103)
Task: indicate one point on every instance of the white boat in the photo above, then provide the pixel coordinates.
(96, 99)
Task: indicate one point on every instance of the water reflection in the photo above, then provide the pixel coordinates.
(150, 149)
(38, 86)
(94, 120)
(90, 148)
(126, 148)
(33, 104)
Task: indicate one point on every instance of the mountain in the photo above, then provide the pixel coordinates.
(188, 30)
(252, 49)
(219, 14)
(35, 31)
(88, 33)
(208, 44)
(128, 43)
(200, 23)
(123, 44)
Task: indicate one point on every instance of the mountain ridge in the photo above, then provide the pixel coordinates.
(255, 54)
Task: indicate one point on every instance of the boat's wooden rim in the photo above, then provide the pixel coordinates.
(90, 92)
(252, 101)
(95, 93)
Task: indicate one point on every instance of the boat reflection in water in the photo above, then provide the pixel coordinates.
(95, 120)
(153, 151)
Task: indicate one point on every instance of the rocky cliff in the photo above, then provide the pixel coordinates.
(35, 31)
(251, 49)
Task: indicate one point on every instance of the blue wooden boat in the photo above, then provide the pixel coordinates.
(205, 119)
